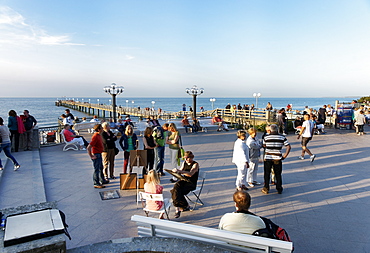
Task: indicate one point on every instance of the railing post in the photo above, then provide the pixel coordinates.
(152, 229)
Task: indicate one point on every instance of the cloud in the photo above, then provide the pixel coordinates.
(16, 31)
(129, 57)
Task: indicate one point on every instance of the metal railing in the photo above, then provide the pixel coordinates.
(49, 136)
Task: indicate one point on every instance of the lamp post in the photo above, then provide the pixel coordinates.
(212, 100)
(194, 91)
(98, 101)
(126, 103)
(257, 95)
(114, 90)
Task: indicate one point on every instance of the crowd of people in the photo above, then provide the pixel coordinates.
(102, 151)
(246, 154)
(10, 134)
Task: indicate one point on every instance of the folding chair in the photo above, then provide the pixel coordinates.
(197, 191)
(155, 197)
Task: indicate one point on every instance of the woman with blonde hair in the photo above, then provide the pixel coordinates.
(254, 146)
(152, 185)
(128, 142)
(149, 145)
(172, 140)
(241, 160)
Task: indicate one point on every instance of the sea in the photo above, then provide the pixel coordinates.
(46, 112)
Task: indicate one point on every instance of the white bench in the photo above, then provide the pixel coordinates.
(235, 242)
(68, 145)
(207, 123)
(84, 126)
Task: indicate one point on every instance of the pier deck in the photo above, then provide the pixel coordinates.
(324, 206)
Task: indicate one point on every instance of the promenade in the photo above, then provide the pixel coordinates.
(324, 206)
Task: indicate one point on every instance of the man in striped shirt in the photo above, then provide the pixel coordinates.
(273, 144)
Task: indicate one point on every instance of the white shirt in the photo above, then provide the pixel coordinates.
(240, 152)
(241, 223)
(308, 126)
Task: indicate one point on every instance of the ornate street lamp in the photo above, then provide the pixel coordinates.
(114, 90)
(212, 100)
(194, 91)
(126, 103)
(256, 95)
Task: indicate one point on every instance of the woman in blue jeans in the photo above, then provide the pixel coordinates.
(5, 144)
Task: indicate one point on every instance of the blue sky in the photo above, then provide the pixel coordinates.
(159, 48)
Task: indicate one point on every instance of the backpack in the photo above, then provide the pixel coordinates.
(159, 132)
(272, 231)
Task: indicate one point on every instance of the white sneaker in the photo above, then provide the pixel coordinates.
(16, 167)
(251, 185)
(1, 168)
(312, 158)
(301, 157)
(83, 149)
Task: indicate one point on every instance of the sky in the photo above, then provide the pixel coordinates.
(153, 48)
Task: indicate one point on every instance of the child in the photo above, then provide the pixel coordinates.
(152, 185)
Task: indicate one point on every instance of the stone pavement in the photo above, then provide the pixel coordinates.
(324, 206)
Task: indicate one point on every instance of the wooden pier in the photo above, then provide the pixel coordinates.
(238, 117)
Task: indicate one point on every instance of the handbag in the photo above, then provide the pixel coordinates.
(116, 151)
(181, 151)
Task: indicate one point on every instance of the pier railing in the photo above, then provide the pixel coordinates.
(257, 116)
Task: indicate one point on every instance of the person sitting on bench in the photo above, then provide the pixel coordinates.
(241, 221)
(70, 137)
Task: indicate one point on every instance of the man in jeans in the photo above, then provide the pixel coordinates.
(273, 143)
(94, 150)
(160, 135)
(29, 124)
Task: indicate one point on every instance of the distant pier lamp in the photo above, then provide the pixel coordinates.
(256, 95)
(114, 90)
(212, 100)
(153, 102)
(126, 103)
(194, 91)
